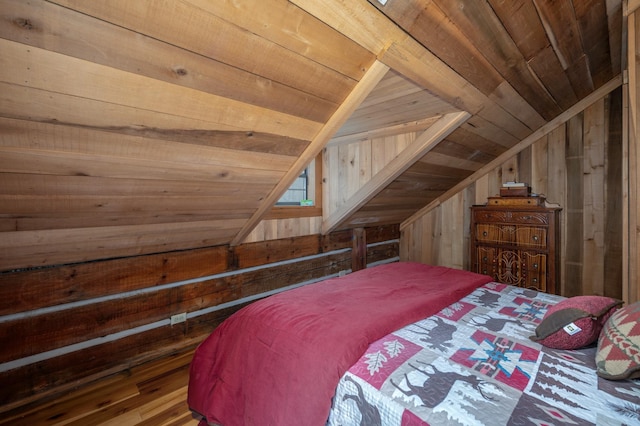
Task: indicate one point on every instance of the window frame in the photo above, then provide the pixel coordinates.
(308, 188)
(314, 185)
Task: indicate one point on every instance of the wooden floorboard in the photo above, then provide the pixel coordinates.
(154, 393)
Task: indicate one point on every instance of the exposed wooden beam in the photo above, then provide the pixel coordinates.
(542, 131)
(398, 129)
(358, 249)
(368, 82)
(423, 144)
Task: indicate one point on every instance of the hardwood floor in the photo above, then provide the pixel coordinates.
(153, 394)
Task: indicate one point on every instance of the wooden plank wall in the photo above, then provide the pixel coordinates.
(348, 167)
(578, 165)
(273, 229)
(70, 324)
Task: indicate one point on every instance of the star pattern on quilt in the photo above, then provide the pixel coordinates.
(499, 358)
(526, 309)
(496, 355)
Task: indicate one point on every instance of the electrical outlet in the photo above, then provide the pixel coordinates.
(178, 318)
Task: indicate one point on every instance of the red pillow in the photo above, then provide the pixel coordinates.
(575, 322)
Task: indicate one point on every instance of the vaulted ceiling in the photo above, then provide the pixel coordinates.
(131, 127)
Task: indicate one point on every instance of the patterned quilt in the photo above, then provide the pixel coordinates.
(473, 364)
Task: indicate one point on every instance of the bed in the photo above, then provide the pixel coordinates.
(400, 344)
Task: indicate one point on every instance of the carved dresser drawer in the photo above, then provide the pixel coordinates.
(516, 242)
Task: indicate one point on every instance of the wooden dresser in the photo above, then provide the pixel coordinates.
(516, 240)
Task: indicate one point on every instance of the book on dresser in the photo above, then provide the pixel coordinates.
(516, 241)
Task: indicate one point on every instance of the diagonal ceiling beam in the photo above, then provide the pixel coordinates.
(367, 83)
(422, 145)
(514, 150)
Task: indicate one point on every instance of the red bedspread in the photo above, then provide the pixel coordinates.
(278, 360)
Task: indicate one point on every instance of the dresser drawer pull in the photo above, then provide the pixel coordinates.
(484, 259)
(535, 238)
(535, 280)
(484, 233)
(535, 266)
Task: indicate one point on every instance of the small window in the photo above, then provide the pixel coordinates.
(298, 192)
(304, 197)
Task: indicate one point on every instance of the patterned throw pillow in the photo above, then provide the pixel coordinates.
(575, 322)
(618, 355)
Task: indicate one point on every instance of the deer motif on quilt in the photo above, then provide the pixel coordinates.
(487, 299)
(495, 324)
(437, 337)
(369, 412)
(437, 385)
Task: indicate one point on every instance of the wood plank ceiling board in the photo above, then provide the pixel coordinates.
(458, 150)
(89, 221)
(287, 25)
(389, 97)
(395, 196)
(393, 113)
(112, 185)
(562, 29)
(424, 172)
(377, 218)
(41, 184)
(614, 18)
(479, 23)
(44, 106)
(490, 131)
(45, 70)
(521, 20)
(20, 160)
(266, 143)
(24, 249)
(393, 130)
(19, 135)
(474, 141)
(182, 24)
(408, 186)
(115, 161)
(594, 34)
(392, 86)
(455, 161)
(84, 37)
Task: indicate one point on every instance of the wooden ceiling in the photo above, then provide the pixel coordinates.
(132, 127)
